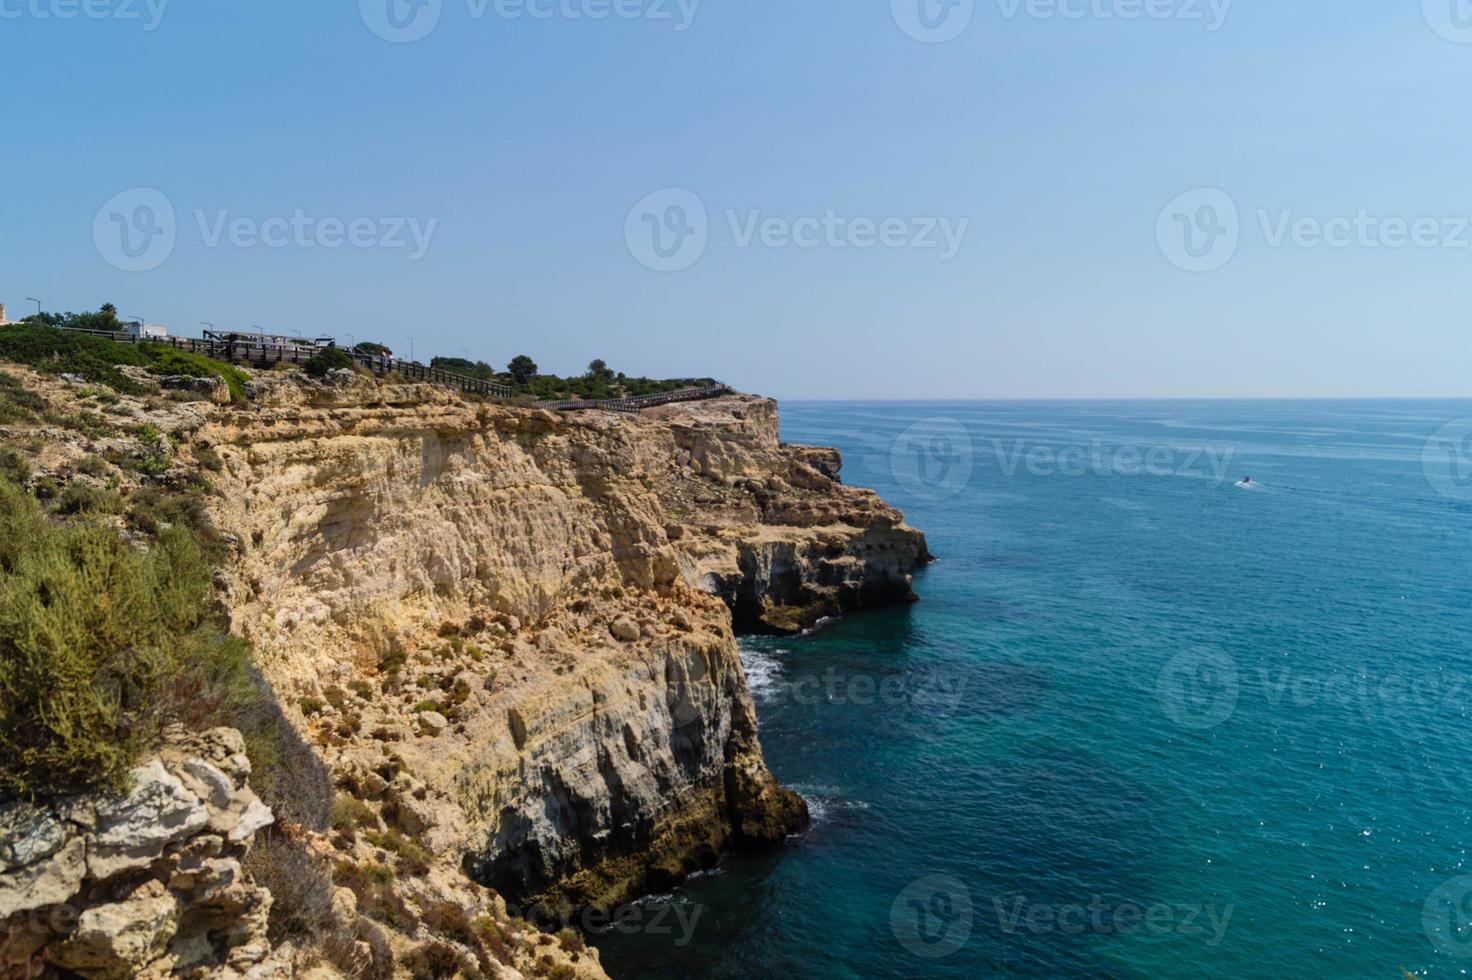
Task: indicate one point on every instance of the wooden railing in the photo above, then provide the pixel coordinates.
(265, 355)
(636, 403)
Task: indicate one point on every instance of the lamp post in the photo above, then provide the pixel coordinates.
(411, 350)
(32, 299)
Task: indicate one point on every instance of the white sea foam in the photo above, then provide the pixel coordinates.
(763, 672)
(824, 621)
(824, 801)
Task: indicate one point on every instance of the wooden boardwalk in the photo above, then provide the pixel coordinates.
(263, 355)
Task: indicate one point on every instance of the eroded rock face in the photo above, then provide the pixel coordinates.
(774, 531)
(558, 591)
(147, 883)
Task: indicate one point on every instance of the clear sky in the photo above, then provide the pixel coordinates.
(1051, 139)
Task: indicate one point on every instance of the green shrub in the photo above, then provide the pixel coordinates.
(97, 359)
(83, 498)
(434, 960)
(350, 814)
(13, 466)
(101, 643)
(146, 431)
(17, 404)
(373, 886)
(63, 352)
(92, 466)
(328, 359)
(413, 859)
(168, 360)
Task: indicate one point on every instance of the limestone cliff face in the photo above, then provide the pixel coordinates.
(772, 529)
(512, 630)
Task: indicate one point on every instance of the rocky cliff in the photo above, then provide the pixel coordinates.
(508, 637)
(531, 614)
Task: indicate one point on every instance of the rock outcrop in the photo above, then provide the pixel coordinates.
(536, 610)
(145, 884)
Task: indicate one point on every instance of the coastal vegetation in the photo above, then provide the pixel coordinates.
(598, 382)
(49, 342)
(102, 643)
(52, 343)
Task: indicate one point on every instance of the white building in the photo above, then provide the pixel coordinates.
(146, 331)
(3, 321)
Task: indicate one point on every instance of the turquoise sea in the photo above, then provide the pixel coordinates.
(1144, 722)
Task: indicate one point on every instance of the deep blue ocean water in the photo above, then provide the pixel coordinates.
(1143, 722)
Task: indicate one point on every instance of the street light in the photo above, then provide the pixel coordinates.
(411, 350)
(32, 299)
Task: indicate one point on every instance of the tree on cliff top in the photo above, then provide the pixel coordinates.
(522, 369)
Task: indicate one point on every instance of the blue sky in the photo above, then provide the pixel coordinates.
(1068, 156)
